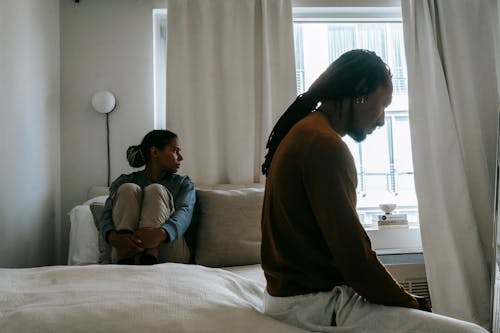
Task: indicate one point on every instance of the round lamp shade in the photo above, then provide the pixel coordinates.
(103, 101)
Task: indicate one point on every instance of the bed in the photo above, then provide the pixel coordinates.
(219, 290)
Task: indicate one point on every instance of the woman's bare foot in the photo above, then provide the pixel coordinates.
(125, 261)
(149, 257)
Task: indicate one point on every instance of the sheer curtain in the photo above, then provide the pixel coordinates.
(453, 116)
(230, 74)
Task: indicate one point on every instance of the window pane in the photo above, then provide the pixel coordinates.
(397, 61)
(342, 38)
(376, 161)
(371, 36)
(402, 144)
(375, 152)
(299, 58)
(160, 69)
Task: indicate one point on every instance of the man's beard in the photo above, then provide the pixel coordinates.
(354, 132)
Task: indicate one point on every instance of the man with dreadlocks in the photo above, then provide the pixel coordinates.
(322, 274)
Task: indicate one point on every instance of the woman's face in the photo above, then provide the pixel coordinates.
(366, 117)
(168, 158)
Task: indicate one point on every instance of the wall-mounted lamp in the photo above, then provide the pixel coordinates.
(104, 102)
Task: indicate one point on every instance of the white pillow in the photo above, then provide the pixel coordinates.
(83, 237)
(229, 232)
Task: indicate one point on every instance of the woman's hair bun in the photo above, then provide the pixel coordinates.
(139, 156)
(135, 157)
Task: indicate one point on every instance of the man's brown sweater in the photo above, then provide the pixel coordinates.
(312, 239)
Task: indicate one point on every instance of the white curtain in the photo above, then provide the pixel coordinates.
(453, 118)
(230, 74)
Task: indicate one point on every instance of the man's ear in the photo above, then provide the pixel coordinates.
(361, 88)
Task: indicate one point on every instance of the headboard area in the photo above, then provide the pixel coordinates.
(96, 191)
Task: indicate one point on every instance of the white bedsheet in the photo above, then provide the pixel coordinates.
(161, 298)
(252, 272)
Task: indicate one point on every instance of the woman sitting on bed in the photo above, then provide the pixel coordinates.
(148, 207)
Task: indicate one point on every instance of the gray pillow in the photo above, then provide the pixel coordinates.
(177, 251)
(229, 231)
(104, 248)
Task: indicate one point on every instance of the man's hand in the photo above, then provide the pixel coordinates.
(151, 237)
(423, 304)
(126, 245)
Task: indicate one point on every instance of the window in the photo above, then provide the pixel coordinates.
(159, 66)
(384, 159)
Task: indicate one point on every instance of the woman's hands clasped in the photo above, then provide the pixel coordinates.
(129, 244)
(126, 245)
(151, 237)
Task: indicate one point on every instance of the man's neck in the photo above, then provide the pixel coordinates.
(337, 116)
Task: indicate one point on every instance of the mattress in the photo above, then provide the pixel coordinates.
(252, 272)
(110, 298)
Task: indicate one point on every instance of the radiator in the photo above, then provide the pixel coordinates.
(412, 277)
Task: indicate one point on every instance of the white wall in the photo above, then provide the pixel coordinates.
(29, 131)
(104, 45)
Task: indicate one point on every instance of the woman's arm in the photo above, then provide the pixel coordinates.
(180, 220)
